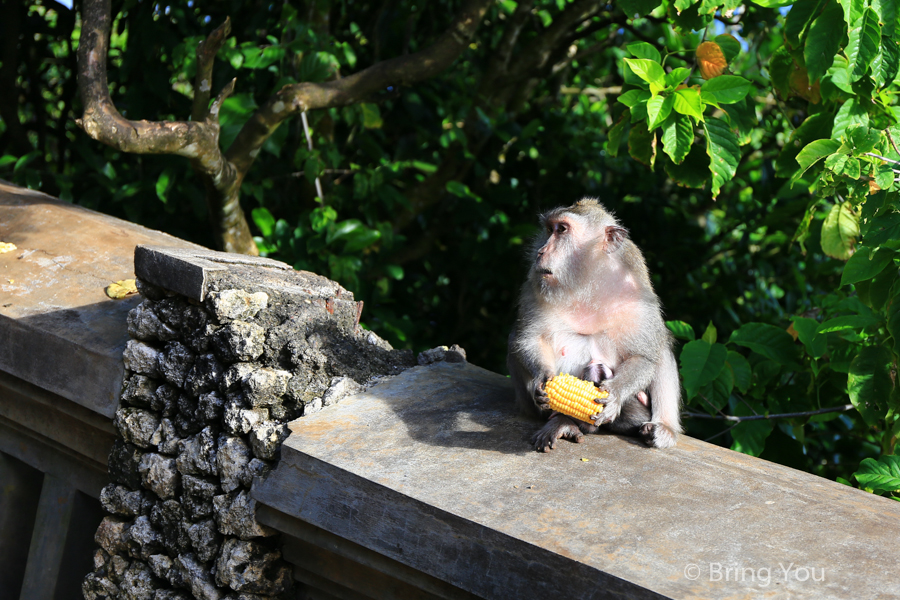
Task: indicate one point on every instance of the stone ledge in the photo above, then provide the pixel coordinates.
(433, 469)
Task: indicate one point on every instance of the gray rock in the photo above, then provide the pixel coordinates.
(196, 501)
(313, 406)
(159, 474)
(117, 567)
(198, 578)
(143, 324)
(453, 354)
(210, 407)
(169, 440)
(97, 587)
(204, 376)
(235, 374)
(137, 582)
(121, 501)
(187, 420)
(140, 391)
(266, 438)
(160, 564)
(170, 595)
(198, 329)
(340, 388)
(101, 558)
(246, 566)
(255, 468)
(232, 457)
(143, 540)
(137, 426)
(150, 291)
(198, 454)
(239, 420)
(110, 535)
(265, 386)
(171, 311)
(205, 539)
(229, 305)
(168, 518)
(166, 401)
(175, 362)
(123, 464)
(239, 341)
(141, 358)
(236, 516)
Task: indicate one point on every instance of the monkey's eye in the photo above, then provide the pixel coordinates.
(561, 228)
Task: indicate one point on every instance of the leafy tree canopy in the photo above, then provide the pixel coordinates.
(405, 148)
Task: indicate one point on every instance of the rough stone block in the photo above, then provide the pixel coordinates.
(230, 305)
(236, 516)
(205, 539)
(264, 386)
(340, 388)
(175, 362)
(119, 500)
(110, 535)
(137, 582)
(97, 587)
(123, 464)
(140, 391)
(144, 325)
(142, 539)
(204, 375)
(160, 564)
(239, 420)
(453, 354)
(138, 426)
(198, 578)
(158, 474)
(166, 401)
(168, 519)
(210, 407)
(198, 454)
(239, 341)
(196, 502)
(247, 566)
(232, 457)
(141, 358)
(169, 440)
(266, 438)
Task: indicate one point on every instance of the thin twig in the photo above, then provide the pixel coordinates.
(891, 140)
(310, 144)
(893, 162)
(723, 432)
(821, 411)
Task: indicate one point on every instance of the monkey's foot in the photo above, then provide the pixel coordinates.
(557, 427)
(657, 435)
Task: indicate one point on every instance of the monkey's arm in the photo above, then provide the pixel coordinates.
(632, 376)
(530, 368)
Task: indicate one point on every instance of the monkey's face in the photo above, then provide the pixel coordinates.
(560, 252)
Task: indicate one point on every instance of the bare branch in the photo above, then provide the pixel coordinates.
(206, 55)
(794, 415)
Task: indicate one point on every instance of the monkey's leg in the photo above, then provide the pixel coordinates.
(632, 418)
(559, 426)
(665, 403)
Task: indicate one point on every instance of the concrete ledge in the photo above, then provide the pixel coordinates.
(433, 469)
(52, 298)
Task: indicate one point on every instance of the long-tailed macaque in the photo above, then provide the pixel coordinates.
(588, 309)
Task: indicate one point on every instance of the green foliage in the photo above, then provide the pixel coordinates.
(773, 226)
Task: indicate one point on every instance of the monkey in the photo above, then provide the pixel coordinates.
(588, 308)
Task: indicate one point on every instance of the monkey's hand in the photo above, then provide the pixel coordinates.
(611, 409)
(539, 394)
(559, 426)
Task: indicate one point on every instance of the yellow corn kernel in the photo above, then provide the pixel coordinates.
(574, 397)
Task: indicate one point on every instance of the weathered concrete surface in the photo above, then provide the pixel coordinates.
(433, 468)
(58, 329)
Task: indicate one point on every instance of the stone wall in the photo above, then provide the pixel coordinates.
(212, 379)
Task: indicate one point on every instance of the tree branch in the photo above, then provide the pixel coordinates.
(206, 56)
(403, 70)
(810, 413)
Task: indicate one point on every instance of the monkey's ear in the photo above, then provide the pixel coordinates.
(615, 237)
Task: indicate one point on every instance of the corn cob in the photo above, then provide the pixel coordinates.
(574, 397)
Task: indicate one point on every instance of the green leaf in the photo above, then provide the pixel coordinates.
(767, 340)
(457, 188)
(648, 70)
(394, 272)
(701, 362)
(740, 369)
(710, 334)
(884, 227)
(658, 110)
(865, 40)
(846, 323)
(729, 45)
(163, 183)
(886, 64)
(887, 14)
(7, 159)
(676, 76)
(725, 89)
(773, 3)
(264, 220)
(681, 330)
(840, 231)
(824, 41)
(853, 10)
(718, 391)
(687, 102)
(360, 239)
(882, 475)
(723, 150)
(797, 21)
(693, 171)
(813, 153)
(371, 116)
(321, 217)
(851, 114)
(640, 8)
(642, 144)
(893, 321)
(677, 137)
(815, 127)
(781, 65)
(862, 139)
(644, 50)
(750, 436)
(632, 97)
(866, 264)
(808, 332)
(614, 138)
(869, 383)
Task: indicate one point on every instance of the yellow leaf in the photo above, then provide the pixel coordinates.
(121, 289)
(799, 82)
(585, 459)
(710, 60)
(6, 247)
